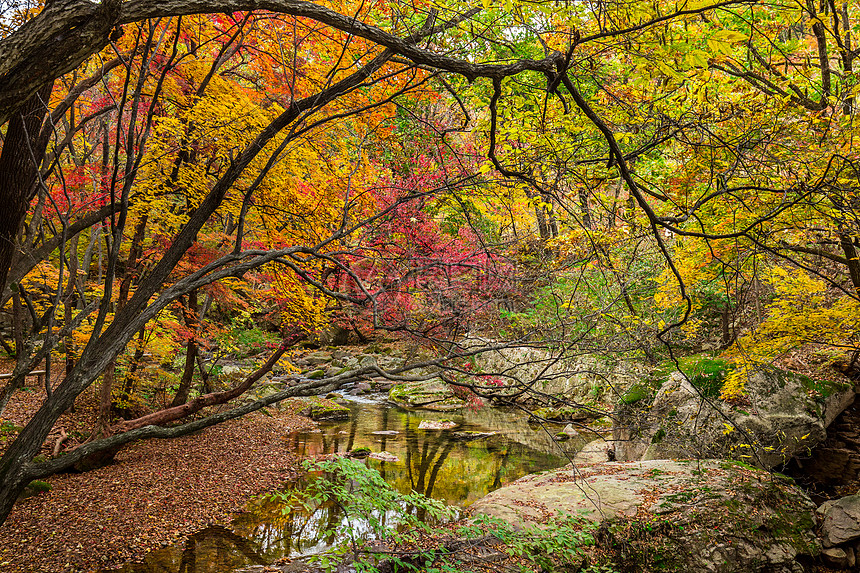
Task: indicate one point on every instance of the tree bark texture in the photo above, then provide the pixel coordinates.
(19, 162)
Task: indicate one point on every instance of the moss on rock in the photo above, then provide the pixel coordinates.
(323, 410)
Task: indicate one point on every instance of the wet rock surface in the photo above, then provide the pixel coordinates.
(322, 409)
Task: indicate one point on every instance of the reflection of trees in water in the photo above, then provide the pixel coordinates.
(267, 532)
(383, 425)
(422, 454)
(497, 475)
(283, 530)
(213, 549)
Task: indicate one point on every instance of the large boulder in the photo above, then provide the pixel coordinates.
(786, 414)
(705, 516)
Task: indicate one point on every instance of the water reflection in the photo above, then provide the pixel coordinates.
(458, 466)
(486, 450)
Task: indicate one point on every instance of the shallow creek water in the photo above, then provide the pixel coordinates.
(450, 465)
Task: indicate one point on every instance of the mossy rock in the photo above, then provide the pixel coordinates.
(34, 488)
(787, 420)
(359, 453)
(324, 410)
(315, 374)
(472, 435)
(705, 371)
(39, 486)
(635, 393)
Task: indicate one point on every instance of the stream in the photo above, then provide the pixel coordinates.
(489, 448)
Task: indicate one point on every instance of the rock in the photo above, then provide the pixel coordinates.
(333, 335)
(266, 390)
(319, 357)
(581, 378)
(594, 452)
(437, 425)
(361, 388)
(384, 457)
(835, 557)
(381, 384)
(705, 516)
(841, 522)
(359, 453)
(385, 433)
(432, 394)
(781, 421)
(334, 396)
(315, 374)
(340, 355)
(323, 410)
(35, 487)
(570, 431)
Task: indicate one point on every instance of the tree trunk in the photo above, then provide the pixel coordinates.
(850, 250)
(69, 302)
(18, 172)
(191, 322)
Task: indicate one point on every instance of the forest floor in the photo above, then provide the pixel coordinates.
(155, 492)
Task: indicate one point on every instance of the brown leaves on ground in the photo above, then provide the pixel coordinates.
(154, 492)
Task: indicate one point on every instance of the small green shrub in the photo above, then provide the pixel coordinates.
(559, 546)
(39, 486)
(372, 510)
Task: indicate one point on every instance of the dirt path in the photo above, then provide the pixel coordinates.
(155, 492)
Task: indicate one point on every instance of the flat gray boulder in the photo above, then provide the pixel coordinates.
(705, 516)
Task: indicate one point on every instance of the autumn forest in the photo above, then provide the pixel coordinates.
(199, 197)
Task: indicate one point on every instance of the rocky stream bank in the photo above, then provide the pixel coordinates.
(688, 482)
(671, 478)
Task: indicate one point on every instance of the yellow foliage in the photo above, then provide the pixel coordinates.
(803, 313)
(734, 385)
(301, 306)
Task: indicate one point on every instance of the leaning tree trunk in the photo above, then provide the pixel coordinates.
(178, 412)
(19, 164)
